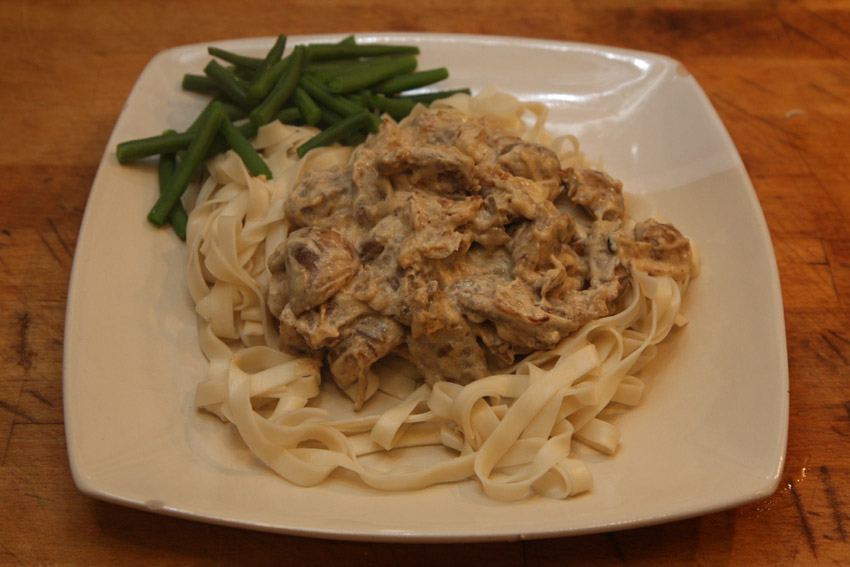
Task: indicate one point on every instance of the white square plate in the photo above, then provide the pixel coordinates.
(710, 433)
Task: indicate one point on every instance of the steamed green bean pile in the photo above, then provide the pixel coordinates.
(342, 89)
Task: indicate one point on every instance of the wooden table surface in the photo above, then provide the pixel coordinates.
(778, 74)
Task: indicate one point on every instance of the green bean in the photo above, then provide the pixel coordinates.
(244, 149)
(322, 95)
(236, 59)
(265, 76)
(409, 81)
(232, 110)
(307, 107)
(177, 217)
(145, 147)
(220, 145)
(234, 87)
(326, 70)
(361, 99)
(282, 90)
(263, 84)
(335, 102)
(398, 108)
(132, 150)
(324, 51)
(188, 166)
(242, 73)
(193, 127)
(198, 83)
(330, 118)
(348, 40)
(274, 54)
(166, 165)
(289, 115)
(370, 73)
(333, 133)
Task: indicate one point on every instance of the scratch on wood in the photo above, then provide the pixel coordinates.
(37, 496)
(59, 237)
(24, 353)
(618, 551)
(16, 411)
(828, 22)
(49, 247)
(807, 530)
(835, 97)
(529, 553)
(834, 503)
(834, 347)
(838, 336)
(786, 25)
(395, 555)
(791, 136)
(755, 84)
(40, 398)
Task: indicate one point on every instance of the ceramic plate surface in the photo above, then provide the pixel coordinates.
(709, 434)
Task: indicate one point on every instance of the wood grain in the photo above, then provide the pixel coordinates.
(778, 74)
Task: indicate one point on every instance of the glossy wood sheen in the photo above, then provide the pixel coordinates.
(779, 76)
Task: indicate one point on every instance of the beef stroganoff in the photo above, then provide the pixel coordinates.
(469, 282)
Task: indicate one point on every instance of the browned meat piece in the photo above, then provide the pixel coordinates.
(318, 262)
(443, 170)
(596, 191)
(370, 190)
(440, 128)
(441, 344)
(278, 295)
(434, 223)
(368, 340)
(542, 254)
(478, 261)
(535, 162)
(603, 262)
(512, 308)
(500, 353)
(319, 197)
(323, 325)
(513, 197)
(423, 156)
(291, 340)
(524, 316)
(522, 319)
(310, 272)
(668, 244)
(659, 250)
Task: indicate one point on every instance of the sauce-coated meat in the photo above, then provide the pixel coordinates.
(441, 241)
